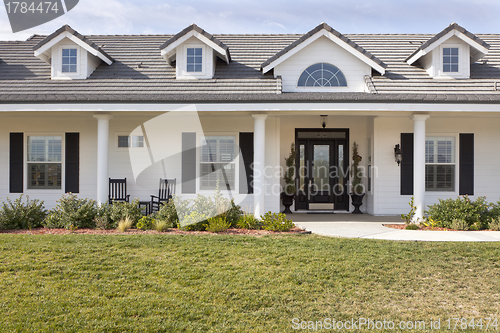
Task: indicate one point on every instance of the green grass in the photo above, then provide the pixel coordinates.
(221, 283)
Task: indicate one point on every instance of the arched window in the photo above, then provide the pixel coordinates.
(322, 75)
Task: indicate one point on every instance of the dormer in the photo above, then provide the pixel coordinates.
(449, 54)
(324, 60)
(195, 53)
(71, 56)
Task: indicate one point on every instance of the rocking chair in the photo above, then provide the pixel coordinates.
(165, 193)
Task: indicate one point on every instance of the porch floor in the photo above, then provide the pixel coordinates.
(371, 227)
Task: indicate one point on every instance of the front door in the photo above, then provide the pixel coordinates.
(321, 170)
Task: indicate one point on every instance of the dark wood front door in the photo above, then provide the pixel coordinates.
(321, 173)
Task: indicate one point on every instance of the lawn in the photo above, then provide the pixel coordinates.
(221, 283)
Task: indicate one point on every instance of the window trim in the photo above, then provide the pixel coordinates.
(200, 137)
(441, 71)
(28, 190)
(60, 73)
(203, 62)
(325, 88)
(456, 163)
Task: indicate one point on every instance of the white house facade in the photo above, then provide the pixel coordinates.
(223, 110)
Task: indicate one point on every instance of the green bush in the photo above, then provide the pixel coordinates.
(411, 226)
(160, 225)
(233, 214)
(494, 224)
(475, 213)
(217, 224)
(169, 211)
(458, 224)
(194, 222)
(120, 211)
(248, 221)
(276, 222)
(22, 215)
(71, 212)
(146, 222)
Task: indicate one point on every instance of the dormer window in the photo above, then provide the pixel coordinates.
(69, 60)
(322, 75)
(194, 59)
(450, 59)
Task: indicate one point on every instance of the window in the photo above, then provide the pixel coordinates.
(450, 59)
(134, 141)
(440, 164)
(194, 59)
(322, 75)
(217, 164)
(44, 162)
(69, 60)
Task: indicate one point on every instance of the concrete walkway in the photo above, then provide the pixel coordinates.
(368, 226)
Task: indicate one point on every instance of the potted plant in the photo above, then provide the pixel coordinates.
(357, 186)
(288, 194)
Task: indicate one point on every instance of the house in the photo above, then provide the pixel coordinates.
(224, 109)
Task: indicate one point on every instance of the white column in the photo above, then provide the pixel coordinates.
(259, 154)
(419, 164)
(102, 156)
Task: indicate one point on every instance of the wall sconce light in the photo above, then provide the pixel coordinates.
(398, 154)
(324, 120)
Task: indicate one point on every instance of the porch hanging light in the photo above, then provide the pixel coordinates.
(324, 120)
(398, 154)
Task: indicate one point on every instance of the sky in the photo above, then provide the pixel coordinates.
(256, 16)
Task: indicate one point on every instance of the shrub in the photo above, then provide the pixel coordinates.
(22, 215)
(276, 222)
(248, 221)
(411, 226)
(120, 210)
(102, 222)
(459, 224)
(170, 211)
(71, 213)
(146, 222)
(124, 224)
(194, 222)
(217, 224)
(494, 224)
(409, 217)
(471, 212)
(234, 214)
(160, 225)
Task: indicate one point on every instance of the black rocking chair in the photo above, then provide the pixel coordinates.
(118, 190)
(165, 193)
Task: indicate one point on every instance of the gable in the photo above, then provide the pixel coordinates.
(325, 30)
(323, 50)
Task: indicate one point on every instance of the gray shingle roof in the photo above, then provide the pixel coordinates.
(74, 33)
(314, 31)
(194, 27)
(451, 27)
(140, 74)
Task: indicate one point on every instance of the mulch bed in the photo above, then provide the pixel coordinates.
(232, 231)
(402, 227)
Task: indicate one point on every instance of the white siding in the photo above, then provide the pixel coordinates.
(323, 50)
(486, 158)
(433, 61)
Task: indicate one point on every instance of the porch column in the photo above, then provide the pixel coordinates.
(259, 153)
(102, 156)
(419, 164)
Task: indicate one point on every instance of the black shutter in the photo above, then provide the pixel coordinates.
(72, 172)
(407, 164)
(246, 171)
(16, 163)
(188, 162)
(466, 177)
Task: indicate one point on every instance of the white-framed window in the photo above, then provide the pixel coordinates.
(69, 60)
(440, 163)
(217, 162)
(451, 60)
(322, 75)
(44, 162)
(130, 141)
(194, 59)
